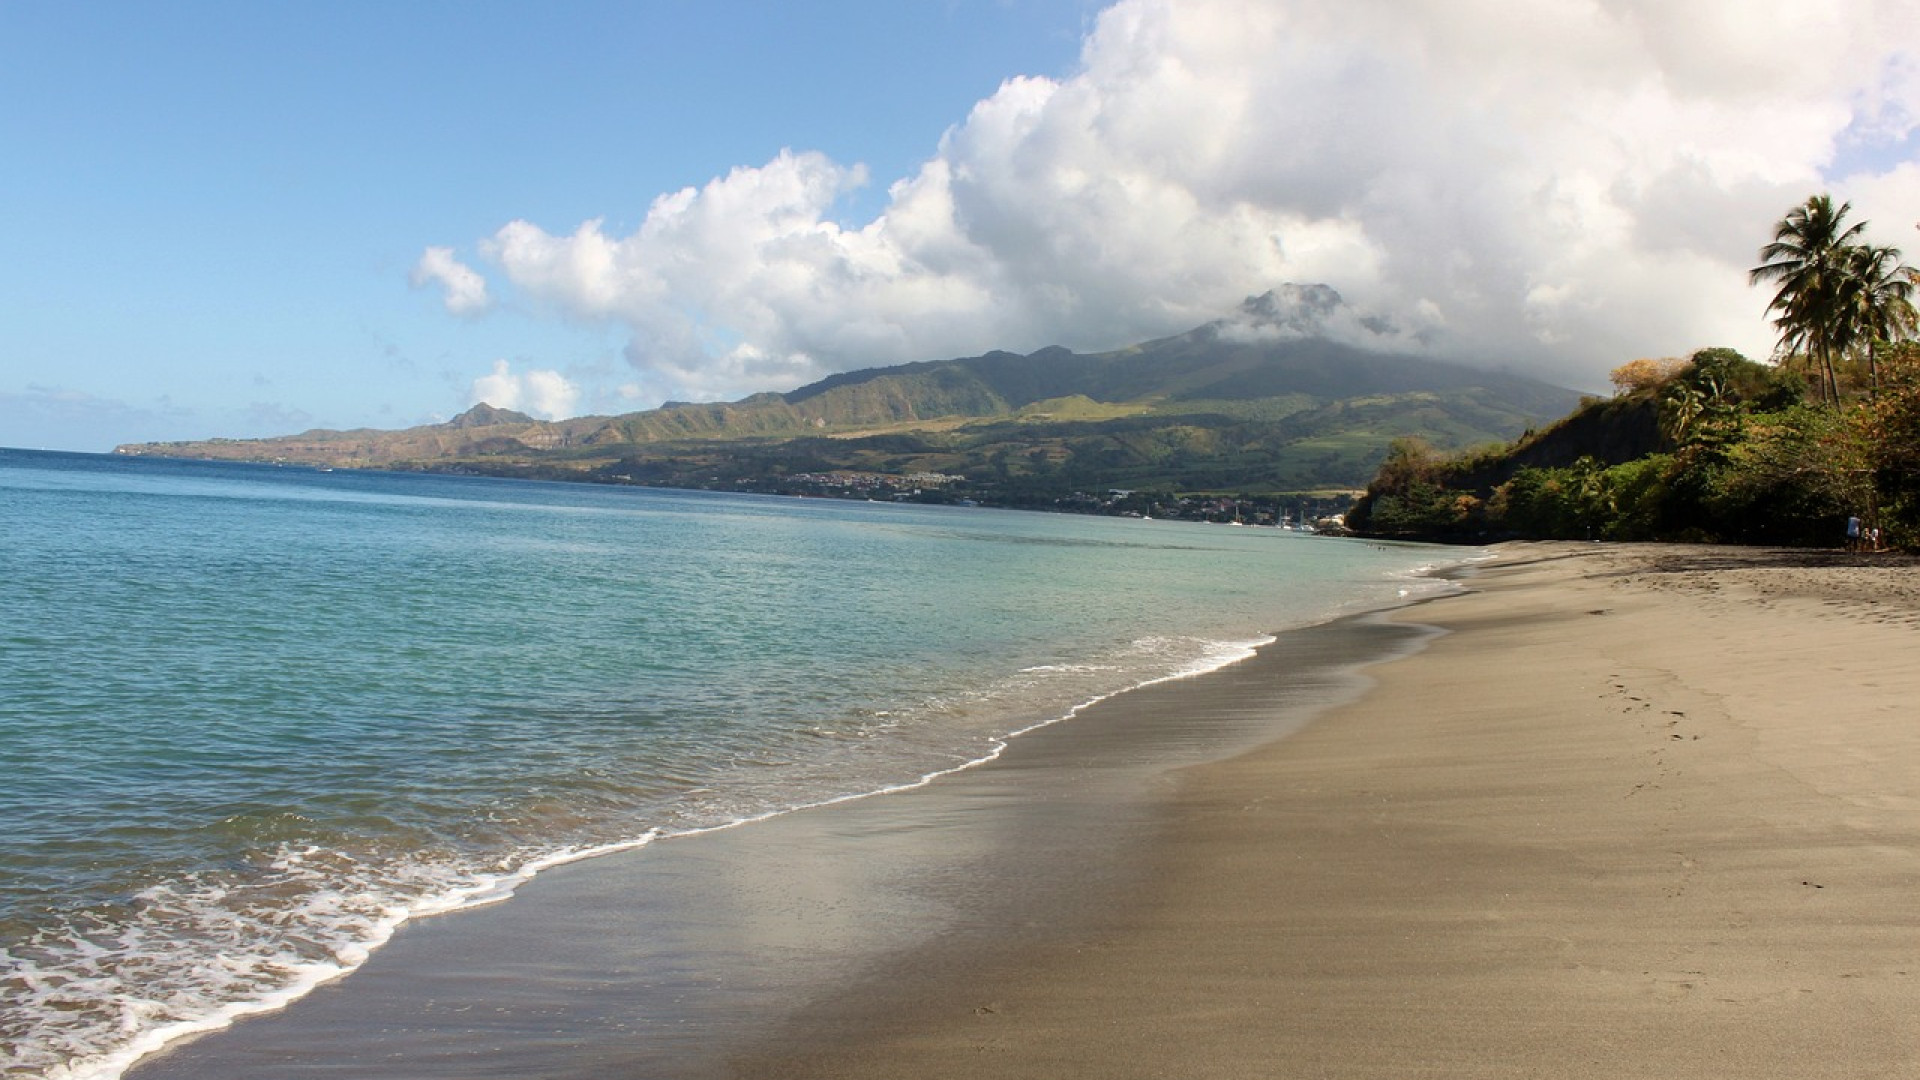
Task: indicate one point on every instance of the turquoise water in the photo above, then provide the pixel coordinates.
(252, 718)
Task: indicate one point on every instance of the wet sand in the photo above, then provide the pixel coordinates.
(1635, 812)
(681, 959)
(1641, 812)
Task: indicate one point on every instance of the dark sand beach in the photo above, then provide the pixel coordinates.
(683, 958)
(1634, 812)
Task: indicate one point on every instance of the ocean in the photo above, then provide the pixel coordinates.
(253, 718)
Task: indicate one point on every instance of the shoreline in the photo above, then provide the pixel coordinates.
(653, 890)
(1613, 810)
(1639, 811)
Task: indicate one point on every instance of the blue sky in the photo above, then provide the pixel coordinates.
(249, 219)
(213, 208)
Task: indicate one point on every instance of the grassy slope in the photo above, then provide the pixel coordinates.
(1196, 411)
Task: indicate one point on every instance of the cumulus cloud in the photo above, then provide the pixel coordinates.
(1558, 185)
(465, 291)
(547, 394)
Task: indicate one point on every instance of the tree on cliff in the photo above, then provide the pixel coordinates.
(1877, 290)
(1716, 447)
(1809, 259)
(1837, 296)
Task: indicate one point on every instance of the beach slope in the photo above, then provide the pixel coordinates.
(1639, 812)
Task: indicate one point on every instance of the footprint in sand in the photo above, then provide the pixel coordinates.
(1673, 986)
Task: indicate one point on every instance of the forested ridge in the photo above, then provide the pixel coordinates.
(1819, 447)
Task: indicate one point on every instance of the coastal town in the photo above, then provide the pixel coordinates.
(1309, 512)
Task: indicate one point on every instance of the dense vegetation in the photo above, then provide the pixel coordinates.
(1715, 447)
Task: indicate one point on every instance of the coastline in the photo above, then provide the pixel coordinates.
(667, 959)
(419, 751)
(1634, 810)
(1641, 811)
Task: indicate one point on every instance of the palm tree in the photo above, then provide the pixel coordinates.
(1808, 259)
(1877, 292)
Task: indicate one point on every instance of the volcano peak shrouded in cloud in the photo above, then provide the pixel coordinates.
(1558, 186)
(240, 214)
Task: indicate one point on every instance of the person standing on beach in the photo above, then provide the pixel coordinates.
(1853, 532)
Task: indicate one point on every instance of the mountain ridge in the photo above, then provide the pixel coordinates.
(1265, 383)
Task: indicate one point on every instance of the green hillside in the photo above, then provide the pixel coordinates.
(1240, 405)
(1716, 449)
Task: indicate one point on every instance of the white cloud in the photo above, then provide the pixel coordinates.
(1557, 185)
(465, 289)
(547, 394)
